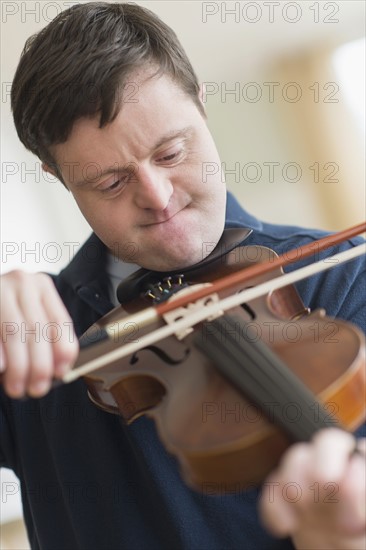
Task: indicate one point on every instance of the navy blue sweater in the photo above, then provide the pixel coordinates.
(89, 482)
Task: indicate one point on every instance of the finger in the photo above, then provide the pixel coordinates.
(283, 492)
(61, 332)
(40, 357)
(332, 448)
(52, 351)
(277, 517)
(34, 347)
(14, 349)
(353, 487)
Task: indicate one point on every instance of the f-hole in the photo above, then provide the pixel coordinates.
(249, 311)
(247, 308)
(161, 354)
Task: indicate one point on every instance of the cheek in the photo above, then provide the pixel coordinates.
(112, 225)
(107, 218)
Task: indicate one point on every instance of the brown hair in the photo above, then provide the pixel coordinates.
(77, 65)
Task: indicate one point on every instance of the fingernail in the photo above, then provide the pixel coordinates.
(17, 389)
(39, 388)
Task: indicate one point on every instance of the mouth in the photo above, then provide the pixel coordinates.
(163, 217)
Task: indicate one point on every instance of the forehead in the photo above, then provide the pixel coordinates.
(153, 108)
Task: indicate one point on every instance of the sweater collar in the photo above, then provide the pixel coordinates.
(236, 216)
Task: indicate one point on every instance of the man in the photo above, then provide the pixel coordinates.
(134, 166)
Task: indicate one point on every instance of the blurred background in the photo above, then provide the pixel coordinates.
(284, 93)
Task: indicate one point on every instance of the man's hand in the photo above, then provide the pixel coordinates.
(318, 494)
(37, 336)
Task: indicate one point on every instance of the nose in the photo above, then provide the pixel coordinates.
(153, 188)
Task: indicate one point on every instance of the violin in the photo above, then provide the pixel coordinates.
(227, 361)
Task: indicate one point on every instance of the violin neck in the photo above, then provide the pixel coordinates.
(263, 378)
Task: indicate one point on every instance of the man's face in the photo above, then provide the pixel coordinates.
(141, 181)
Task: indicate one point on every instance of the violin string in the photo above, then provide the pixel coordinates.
(261, 376)
(202, 313)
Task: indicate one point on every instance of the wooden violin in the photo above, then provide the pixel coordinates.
(231, 392)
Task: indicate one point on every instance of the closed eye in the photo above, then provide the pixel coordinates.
(172, 156)
(114, 185)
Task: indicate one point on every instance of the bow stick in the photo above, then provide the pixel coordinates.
(151, 314)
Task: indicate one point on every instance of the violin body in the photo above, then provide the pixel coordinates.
(219, 436)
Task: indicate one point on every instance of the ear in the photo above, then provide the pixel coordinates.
(47, 168)
(54, 172)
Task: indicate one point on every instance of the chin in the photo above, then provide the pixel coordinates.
(167, 263)
(182, 256)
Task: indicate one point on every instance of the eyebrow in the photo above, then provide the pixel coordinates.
(183, 132)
